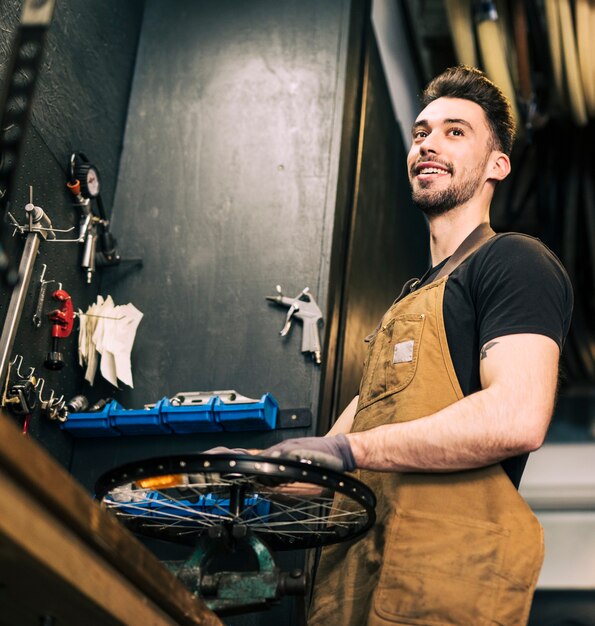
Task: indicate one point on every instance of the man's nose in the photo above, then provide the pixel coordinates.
(428, 145)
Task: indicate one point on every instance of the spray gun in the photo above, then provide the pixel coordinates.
(304, 307)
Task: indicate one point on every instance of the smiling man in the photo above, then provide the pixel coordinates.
(458, 387)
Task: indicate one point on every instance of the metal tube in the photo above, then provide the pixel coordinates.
(17, 300)
(236, 499)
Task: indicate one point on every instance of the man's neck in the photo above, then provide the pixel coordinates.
(449, 230)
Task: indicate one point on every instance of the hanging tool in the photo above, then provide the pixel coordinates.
(304, 307)
(63, 320)
(15, 105)
(100, 249)
(85, 186)
(21, 396)
(43, 286)
(99, 405)
(77, 404)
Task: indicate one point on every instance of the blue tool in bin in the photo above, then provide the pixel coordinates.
(138, 421)
(184, 416)
(93, 424)
(233, 411)
(184, 413)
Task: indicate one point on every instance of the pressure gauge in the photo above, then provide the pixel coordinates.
(88, 176)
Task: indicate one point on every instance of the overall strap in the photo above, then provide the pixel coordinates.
(470, 244)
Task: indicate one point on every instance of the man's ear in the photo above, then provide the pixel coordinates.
(499, 166)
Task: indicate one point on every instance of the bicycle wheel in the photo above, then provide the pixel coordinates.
(180, 498)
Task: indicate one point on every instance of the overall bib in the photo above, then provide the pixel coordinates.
(448, 549)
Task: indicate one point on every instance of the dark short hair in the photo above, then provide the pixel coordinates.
(472, 84)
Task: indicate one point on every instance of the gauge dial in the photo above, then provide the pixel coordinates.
(88, 176)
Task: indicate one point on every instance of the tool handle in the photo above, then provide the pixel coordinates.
(311, 338)
(40, 302)
(62, 318)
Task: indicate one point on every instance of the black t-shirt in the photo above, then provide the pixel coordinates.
(512, 284)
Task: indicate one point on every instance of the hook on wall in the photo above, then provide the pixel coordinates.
(19, 359)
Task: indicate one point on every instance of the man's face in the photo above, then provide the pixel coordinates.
(447, 162)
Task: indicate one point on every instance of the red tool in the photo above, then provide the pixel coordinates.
(62, 322)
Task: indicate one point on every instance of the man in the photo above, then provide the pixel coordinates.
(458, 387)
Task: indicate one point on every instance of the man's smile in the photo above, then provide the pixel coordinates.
(430, 170)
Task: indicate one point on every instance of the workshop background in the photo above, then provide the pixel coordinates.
(245, 145)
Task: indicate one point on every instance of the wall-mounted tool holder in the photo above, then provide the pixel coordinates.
(54, 408)
(184, 413)
(184, 416)
(23, 393)
(36, 228)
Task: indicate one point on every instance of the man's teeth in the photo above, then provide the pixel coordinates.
(432, 170)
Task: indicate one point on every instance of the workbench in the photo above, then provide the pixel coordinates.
(64, 561)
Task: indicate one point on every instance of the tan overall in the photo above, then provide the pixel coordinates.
(456, 549)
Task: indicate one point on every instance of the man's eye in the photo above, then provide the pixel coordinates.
(420, 134)
(457, 132)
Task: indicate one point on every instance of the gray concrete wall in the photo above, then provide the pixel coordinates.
(227, 188)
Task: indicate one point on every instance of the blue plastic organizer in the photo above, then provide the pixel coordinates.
(214, 414)
(196, 418)
(260, 415)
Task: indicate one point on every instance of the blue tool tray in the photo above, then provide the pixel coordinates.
(197, 418)
(139, 421)
(260, 415)
(212, 414)
(96, 424)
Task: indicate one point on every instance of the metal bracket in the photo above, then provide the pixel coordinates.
(294, 418)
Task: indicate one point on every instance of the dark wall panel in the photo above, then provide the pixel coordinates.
(226, 189)
(80, 104)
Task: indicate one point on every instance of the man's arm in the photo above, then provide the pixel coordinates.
(345, 420)
(509, 416)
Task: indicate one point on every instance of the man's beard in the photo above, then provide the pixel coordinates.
(441, 201)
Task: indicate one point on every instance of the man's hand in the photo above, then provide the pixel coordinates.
(332, 452)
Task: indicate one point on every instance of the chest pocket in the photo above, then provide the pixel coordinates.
(392, 357)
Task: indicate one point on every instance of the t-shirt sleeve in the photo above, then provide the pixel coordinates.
(521, 287)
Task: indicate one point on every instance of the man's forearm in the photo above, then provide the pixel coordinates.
(481, 429)
(345, 420)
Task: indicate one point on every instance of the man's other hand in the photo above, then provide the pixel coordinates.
(332, 452)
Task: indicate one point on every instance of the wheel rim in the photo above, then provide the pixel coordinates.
(239, 493)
